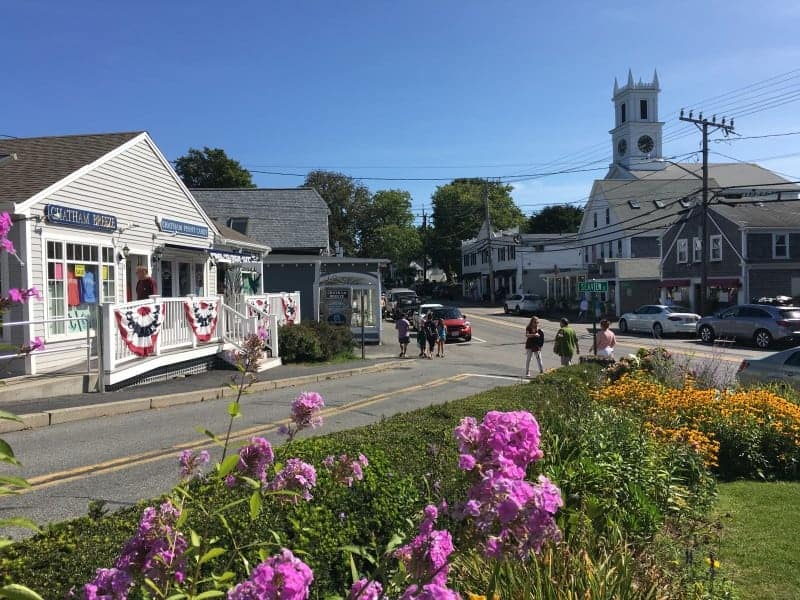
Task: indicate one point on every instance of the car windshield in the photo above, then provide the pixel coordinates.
(447, 313)
(790, 314)
(677, 309)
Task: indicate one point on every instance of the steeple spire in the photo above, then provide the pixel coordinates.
(630, 78)
(616, 86)
(655, 78)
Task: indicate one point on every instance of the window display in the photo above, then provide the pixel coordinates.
(78, 277)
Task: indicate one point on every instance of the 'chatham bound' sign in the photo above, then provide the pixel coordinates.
(83, 219)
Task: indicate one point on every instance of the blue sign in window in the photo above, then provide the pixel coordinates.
(183, 228)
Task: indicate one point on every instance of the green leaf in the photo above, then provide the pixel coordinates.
(177, 597)
(255, 505)
(212, 554)
(210, 594)
(19, 522)
(227, 465)
(353, 569)
(5, 543)
(9, 417)
(396, 540)
(234, 410)
(210, 434)
(18, 592)
(182, 517)
(195, 538)
(15, 481)
(360, 551)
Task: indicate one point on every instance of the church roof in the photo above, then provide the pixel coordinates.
(726, 175)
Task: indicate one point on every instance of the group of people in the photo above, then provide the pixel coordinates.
(566, 344)
(431, 333)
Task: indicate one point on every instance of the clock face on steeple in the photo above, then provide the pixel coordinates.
(645, 144)
(622, 147)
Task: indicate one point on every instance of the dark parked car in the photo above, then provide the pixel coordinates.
(761, 324)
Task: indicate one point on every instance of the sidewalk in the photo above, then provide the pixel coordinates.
(203, 387)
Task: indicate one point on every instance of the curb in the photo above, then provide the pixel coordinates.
(107, 409)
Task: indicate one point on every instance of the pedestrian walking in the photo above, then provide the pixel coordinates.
(583, 308)
(145, 285)
(402, 326)
(606, 340)
(566, 343)
(534, 340)
(422, 339)
(441, 331)
(430, 333)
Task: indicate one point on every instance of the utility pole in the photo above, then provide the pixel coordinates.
(705, 248)
(489, 239)
(424, 247)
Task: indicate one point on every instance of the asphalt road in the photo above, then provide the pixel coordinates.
(125, 458)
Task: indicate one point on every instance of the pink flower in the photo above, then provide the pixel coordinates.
(15, 295)
(364, 589)
(5, 224)
(7, 245)
(466, 462)
(281, 577)
(37, 344)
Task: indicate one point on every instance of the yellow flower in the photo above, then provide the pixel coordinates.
(708, 562)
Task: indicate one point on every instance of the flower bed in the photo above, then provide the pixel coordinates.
(745, 433)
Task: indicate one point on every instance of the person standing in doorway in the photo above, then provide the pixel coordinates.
(534, 340)
(402, 326)
(606, 340)
(566, 344)
(145, 285)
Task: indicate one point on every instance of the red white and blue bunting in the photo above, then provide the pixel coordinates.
(289, 308)
(139, 327)
(202, 316)
(260, 304)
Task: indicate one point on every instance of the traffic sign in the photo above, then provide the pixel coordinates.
(592, 286)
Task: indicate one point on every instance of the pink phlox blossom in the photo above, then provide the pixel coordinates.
(156, 549)
(305, 409)
(297, 476)
(364, 589)
(254, 458)
(280, 577)
(346, 470)
(263, 333)
(7, 245)
(430, 592)
(37, 344)
(15, 295)
(5, 224)
(108, 584)
(425, 557)
(190, 462)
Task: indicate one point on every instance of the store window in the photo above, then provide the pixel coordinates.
(78, 277)
(368, 295)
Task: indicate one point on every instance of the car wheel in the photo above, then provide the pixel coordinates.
(516, 310)
(623, 326)
(468, 338)
(762, 339)
(658, 330)
(706, 334)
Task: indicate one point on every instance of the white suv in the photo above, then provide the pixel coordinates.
(523, 303)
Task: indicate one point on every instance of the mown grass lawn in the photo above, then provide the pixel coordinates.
(760, 532)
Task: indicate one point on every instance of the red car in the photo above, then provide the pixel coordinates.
(458, 328)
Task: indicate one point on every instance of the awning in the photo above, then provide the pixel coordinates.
(724, 282)
(673, 283)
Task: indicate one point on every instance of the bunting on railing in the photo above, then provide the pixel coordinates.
(202, 316)
(139, 327)
(258, 303)
(289, 308)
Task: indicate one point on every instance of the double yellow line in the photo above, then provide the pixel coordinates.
(117, 464)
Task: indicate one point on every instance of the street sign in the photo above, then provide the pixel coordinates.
(592, 286)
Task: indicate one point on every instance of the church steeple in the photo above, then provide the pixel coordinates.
(637, 132)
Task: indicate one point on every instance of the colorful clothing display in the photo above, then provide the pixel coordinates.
(73, 289)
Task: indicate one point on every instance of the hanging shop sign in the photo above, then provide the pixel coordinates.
(226, 256)
(335, 306)
(82, 219)
(182, 228)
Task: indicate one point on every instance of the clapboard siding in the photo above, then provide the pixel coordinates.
(136, 187)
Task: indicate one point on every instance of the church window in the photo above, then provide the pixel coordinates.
(595, 219)
(608, 217)
(622, 113)
(643, 109)
(619, 248)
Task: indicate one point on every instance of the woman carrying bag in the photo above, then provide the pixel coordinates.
(534, 340)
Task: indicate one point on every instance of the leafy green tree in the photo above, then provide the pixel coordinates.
(458, 213)
(348, 202)
(211, 168)
(387, 228)
(555, 219)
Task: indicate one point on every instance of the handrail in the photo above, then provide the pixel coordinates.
(272, 329)
(87, 344)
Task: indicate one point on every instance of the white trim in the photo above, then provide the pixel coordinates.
(697, 253)
(775, 246)
(30, 202)
(682, 244)
(664, 255)
(132, 369)
(725, 237)
(711, 240)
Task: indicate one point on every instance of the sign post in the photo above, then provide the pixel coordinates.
(592, 287)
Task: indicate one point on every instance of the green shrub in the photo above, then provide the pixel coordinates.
(314, 341)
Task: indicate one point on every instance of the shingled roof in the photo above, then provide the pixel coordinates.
(34, 164)
(286, 220)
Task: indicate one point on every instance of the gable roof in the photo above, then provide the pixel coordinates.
(234, 238)
(768, 213)
(34, 164)
(726, 175)
(283, 219)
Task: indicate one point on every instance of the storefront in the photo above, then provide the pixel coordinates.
(80, 238)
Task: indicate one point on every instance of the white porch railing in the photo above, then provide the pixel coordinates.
(285, 306)
(268, 329)
(235, 326)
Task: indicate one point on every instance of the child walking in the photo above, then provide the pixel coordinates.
(442, 331)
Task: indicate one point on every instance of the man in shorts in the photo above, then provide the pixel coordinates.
(402, 325)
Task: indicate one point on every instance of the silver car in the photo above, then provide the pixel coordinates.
(523, 303)
(761, 324)
(781, 367)
(659, 319)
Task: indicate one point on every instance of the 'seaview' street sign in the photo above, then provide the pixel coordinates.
(592, 286)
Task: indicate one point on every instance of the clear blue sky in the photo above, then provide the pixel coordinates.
(394, 89)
